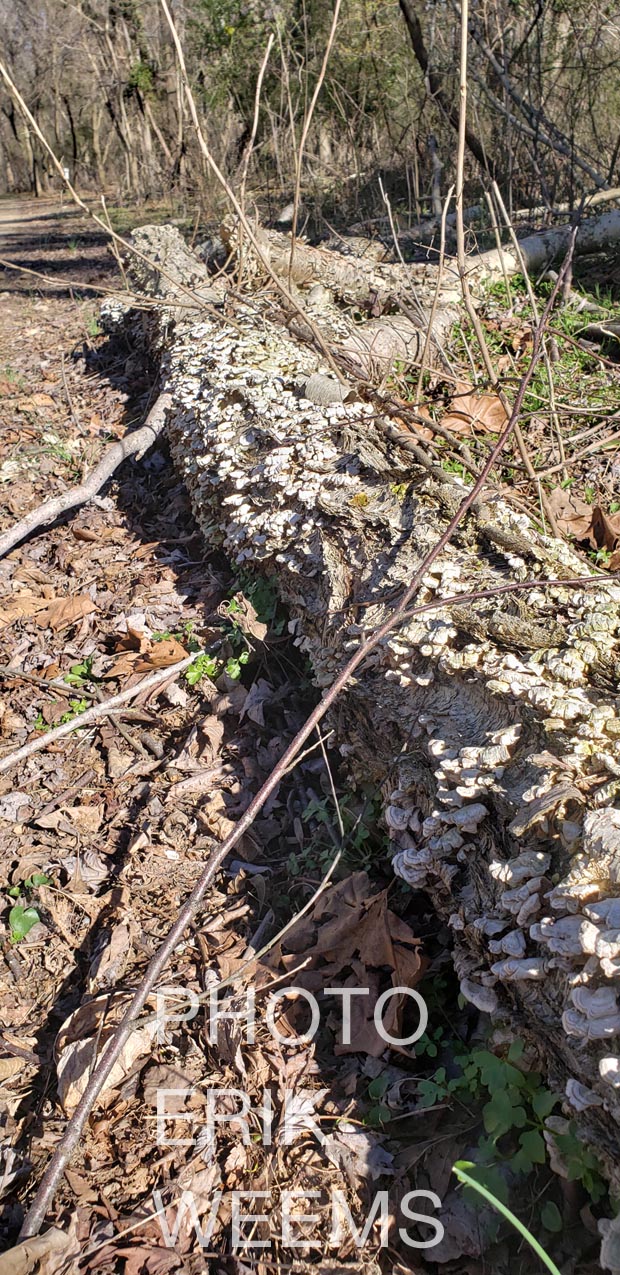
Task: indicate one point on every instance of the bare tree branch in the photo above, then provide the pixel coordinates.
(138, 441)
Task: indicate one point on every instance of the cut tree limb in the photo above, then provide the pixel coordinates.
(131, 445)
(355, 279)
(492, 730)
(95, 713)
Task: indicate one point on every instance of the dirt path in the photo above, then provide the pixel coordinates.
(102, 834)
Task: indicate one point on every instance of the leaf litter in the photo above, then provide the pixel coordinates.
(118, 821)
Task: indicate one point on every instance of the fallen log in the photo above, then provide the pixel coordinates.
(491, 727)
(353, 280)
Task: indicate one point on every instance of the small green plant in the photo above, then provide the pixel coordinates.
(39, 722)
(204, 666)
(363, 840)
(456, 467)
(23, 916)
(462, 1170)
(80, 674)
(184, 634)
(141, 78)
(581, 1163)
(76, 706)
(92, 327)
(14, 378)
(602, 557)
(209, 663)
(379, 1114)
(262, 594)
(30, 883)
(211, 666)
(234, 665)
(21, 921)
(515, 1105)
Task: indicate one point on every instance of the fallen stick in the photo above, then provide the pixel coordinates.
(97, 711)
(138, 441)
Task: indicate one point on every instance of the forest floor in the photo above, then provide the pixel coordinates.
(103, 834)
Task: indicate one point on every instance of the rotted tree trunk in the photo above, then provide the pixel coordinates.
(492, 727)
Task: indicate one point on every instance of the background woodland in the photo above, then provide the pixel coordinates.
(102, 81)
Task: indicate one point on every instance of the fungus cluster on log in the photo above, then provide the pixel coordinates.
(492, 728)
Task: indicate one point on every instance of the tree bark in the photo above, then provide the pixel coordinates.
(492, 728)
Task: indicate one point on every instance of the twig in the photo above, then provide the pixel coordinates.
(412, 22)
(536, 118)
(435, 301)
(138, 441)
(189, 301)
(96, 712)
(117, 255)
(17, 1052)
(545, 506)
(425, 319)
(230, 194)
(304, 133)
(250, 146)
(125, 734)
(68, 393)
(548, 368)
(462, 267)
(60, 688)
(498, 243)
(55, 1169)
(575, 456)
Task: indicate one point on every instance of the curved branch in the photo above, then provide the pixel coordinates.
(138, 441)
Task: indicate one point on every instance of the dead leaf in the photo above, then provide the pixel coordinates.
(37, 401)
(359, 1153)
(20, 607)
(82, 533)
(46, 1254)
(78, 1060)
(15, 806)
(352, 938)
(471, 411)
(141, 654)
(212, 730)
(81, 1043)
(259, 694)
(605, 529)
(179, 1087)
(241, 612)
(160, 655)
(572, 514)
(110, 963)
(10, 1067)
(66, 611)
(86, 819)
(81, 1187)
(585, 522)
